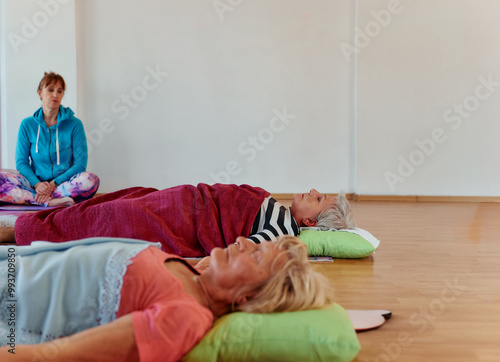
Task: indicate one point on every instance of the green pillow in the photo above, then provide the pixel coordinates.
(356, 243)
(312, 335)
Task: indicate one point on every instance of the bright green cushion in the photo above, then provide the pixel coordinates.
(313, 335)
(356, 243)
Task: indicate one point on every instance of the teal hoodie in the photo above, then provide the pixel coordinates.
(51, 153)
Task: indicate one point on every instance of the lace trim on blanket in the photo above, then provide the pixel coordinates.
(110, 294)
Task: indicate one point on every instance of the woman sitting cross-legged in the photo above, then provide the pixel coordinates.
(104, 299)
(51, 154)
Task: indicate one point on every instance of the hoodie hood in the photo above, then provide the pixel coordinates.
(64, 114)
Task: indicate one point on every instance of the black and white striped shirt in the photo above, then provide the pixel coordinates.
(273, 220)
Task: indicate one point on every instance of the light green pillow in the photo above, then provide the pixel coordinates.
(356, 243)
(313, 335)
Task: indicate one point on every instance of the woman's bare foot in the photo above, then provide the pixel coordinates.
(7, 223)
(7, 234)
(63, 201)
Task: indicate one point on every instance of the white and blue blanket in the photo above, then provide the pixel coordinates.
(51, 290)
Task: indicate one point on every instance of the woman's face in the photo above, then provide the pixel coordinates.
(306, 207)
(244, 266)
(52, 95)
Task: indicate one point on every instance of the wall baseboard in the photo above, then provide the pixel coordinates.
(398, 198)
(420, 198)
(406, 198)
(289, 197)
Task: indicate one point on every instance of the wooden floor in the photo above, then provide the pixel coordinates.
(438, 270)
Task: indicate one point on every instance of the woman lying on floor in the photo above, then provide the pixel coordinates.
(188, 220)
(108, 299)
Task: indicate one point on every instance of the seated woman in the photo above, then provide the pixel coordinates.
(124, 299)
(51, 154)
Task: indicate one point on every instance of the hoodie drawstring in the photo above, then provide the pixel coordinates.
(57, 144)
(37, 137)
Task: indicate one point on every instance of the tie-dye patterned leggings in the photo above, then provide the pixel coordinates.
(15, 188)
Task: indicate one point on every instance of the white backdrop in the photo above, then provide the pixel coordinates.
(367, 96)
(429, 98)
(35, 39)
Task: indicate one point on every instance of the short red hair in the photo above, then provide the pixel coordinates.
(50, 78)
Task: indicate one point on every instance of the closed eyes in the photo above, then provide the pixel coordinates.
(52, 89)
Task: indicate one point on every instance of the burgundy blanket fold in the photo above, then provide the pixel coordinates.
(188, 221)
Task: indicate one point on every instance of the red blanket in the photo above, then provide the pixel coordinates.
(189, 221)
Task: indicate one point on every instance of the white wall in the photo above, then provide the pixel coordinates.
(229, 71)
(2, 74)
(359, 108)
(426, 123)
(38, 36)
(223, 78)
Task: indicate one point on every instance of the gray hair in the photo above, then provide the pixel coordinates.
(337, 216)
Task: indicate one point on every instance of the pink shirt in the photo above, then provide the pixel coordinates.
(167, 321)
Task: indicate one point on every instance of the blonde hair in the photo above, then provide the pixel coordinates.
(337, 216)
(296, 286)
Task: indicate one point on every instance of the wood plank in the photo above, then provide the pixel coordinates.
(404, 198)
